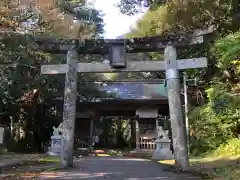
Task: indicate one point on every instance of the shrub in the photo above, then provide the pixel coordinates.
(230, 148)
(214, 123)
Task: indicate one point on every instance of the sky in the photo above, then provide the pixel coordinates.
(116, 24)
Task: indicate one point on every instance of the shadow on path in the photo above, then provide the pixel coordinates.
(116, 168)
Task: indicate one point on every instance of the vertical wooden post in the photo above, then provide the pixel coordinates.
(132, 133)
(156, 127)
(91, 130)
(186, 109)
(175, 108)
(137, 133)
(69, 110)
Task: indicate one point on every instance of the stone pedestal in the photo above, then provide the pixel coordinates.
(56, 145)
(163, 151)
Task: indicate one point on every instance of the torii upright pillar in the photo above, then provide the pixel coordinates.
(175, 108)
(69, 110)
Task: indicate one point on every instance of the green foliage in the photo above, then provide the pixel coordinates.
(34, 114)
(184, 16)
(130, 7)
(230, 148)
(215, 122)
(152, 23)
(228, 50)
(230, 172)
(219, 119)
(115, 132)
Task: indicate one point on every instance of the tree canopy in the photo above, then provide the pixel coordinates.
(27, 105)
(215, 119)
(183, 16)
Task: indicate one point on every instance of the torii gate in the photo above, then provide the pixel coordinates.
(116, 50)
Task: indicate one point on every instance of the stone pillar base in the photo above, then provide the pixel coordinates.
(56, 145)
(163, 151)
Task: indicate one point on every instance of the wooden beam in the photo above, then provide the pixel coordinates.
(129, 81)
(134, 45)
(132, 66)
(53, 69)
(102, 46)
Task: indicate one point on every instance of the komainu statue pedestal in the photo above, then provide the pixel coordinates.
(163, 143)
(56, 142)
(56, 145)
(163, 151)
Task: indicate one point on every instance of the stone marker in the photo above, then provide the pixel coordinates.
(56, 141)
(163, 142)
(55, 149)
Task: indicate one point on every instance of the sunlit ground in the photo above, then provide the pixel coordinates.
(219, 166)
(202, 160)
(73, 175)
(129, 159)
(203, 164)
(103, 155)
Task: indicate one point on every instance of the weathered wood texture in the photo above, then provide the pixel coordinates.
(137, 126)
(69, 110)
(91, 133)
(134, 45)
(175, 109)
(132, 66)
(102, 46)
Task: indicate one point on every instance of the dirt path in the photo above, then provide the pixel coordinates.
(116, 168)
(9, 160)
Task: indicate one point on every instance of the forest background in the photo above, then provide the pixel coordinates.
(26, 107)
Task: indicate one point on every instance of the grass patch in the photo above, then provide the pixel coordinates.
(115, 152)
(103, 155)
(102, 152)
(216, 167)
(230, 148)
(33, 168)
(225, 167)
(50, 159)
(228, 173)
(224, 162)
